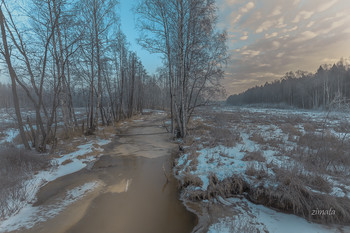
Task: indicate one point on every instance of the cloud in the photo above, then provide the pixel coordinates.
(302, 15)
(264, 26)
(306, 14)
(247, 7)
(280, 23)
(290, 29)
(283, 36)
(268, 36)
(276, 44)
(304, 36)
(250, 53)
(296, 2)
(277, 11)
(280, 55)
(310, 24)
(243, 10)
(245, 36)
(325, 6)
(230, 2)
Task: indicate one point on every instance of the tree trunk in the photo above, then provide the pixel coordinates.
(13, 81)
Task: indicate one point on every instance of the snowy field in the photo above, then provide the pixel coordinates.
(295, 161)
(9, 133)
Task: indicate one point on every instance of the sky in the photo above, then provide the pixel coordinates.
(128, 22)
(271, 37)
(266, 38)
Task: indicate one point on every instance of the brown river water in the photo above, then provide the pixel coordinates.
(133, 194)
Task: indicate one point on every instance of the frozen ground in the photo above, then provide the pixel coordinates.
(257, 218)
(268, 149)
(9, 135)
(30, 215)
(8, 124)
(62, 165)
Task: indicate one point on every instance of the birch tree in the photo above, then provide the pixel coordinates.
(194, 52)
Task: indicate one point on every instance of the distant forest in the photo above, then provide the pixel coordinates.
(301, 89)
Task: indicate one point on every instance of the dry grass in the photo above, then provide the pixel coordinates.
(63, 135)
(193, 155)
(309, 127)
(289, 129)
(191, 180)
(293, 189)
(258, 172)
(67, 161)
(251, 170)
(256, 137)
(325, 153)
(226, 188)
(213, 131)
(16, 166)
(254, 156)
(291, 194)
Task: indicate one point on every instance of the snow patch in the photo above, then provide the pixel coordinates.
(257, 218)
(30, 215)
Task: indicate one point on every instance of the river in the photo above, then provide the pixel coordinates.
(132, 192)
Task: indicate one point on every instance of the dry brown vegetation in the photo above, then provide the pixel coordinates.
(67, 161)
(290, 129)
(257, 171)
(16, 166)
(190, 179)
(256, 137)
(323, 152)
(298, 186)
(254, 156)
(291, 195)
(214, 131)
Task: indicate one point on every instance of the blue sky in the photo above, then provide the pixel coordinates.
(127, 18)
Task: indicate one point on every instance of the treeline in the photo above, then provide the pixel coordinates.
(66, 54)
(154, 87)
(302, 89)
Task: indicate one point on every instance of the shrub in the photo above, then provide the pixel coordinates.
(16, 166)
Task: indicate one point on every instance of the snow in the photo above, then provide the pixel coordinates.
(30, 215)
(59, 169)
(77, 163)
(255, 218)
(277, 138)
(11, 134)
(212, 161)
(182, 160)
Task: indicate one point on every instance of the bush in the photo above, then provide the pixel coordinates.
(16, 166)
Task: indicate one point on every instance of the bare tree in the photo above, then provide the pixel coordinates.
(13, 76)
(183, 31)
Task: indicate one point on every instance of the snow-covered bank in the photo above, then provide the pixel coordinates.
(296, 161)
(30, 215)
(62, 165)
(257, 218)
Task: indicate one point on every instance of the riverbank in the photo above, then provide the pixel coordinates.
(123, 190)
(253, 166)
